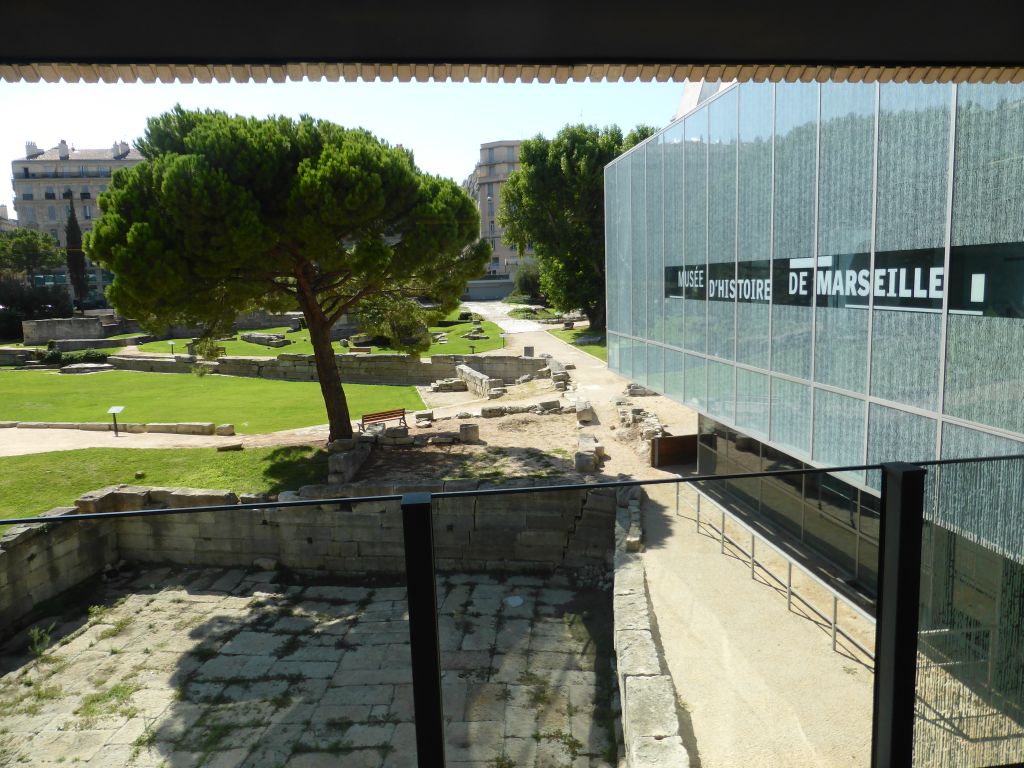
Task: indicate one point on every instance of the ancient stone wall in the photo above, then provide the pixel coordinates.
(478, 383)
(41, 331)
(38, 562)
(355, 368)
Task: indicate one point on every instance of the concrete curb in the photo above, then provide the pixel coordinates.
(650, 721)
(174, 428)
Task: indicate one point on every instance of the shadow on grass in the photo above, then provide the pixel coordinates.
(291, 466)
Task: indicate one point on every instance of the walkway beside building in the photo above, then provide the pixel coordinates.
(761, 686)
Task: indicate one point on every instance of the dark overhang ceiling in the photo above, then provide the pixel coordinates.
(553, 41)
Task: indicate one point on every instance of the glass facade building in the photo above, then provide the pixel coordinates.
(833, 274)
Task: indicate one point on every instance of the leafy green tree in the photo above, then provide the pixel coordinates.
(75, 257)
(26, 252)
(527, 280)
(556, 201)
(229, 213)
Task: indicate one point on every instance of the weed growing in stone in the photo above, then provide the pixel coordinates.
(116, 700)
(116, 628)
(39, 639)
(503, 761)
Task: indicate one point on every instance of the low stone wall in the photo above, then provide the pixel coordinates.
(528, 532)
(74, 345)
(38, 562)
(42, 331)
(477, 383)
(354, 368)
(650, 711)
(12, 356)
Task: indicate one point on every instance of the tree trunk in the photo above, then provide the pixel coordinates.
(330, 378)
(595, 314)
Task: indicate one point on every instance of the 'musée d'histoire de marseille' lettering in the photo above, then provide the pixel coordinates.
(901, 280)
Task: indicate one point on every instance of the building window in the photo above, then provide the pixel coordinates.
(87, 211)
(492, 226)
(490, 154)
(85, 193)
(67, 194)
(53, 234)
(26, 196)
(51, 213)
(50, 194)
(24, 172)
(511, 154)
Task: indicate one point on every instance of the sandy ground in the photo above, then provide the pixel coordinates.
(758, 685)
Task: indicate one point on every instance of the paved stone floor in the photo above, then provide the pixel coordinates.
(226, 668)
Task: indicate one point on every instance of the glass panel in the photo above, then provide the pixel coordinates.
(752, 333)
(674, 162)
(897, 436)
(905, 357)
(655, 264)
(796, 111)
(613, 273)
(639, 362)
(721, 398)
(796, 114)
(674, 375)
(755, 171)
(791, 414)
(791, 340)
(830, 519)
(722, 226)
(988, 206)
(613, 352)
(984, 361)
(838, 429)
(841, 346)
(622, 288)
(696, 223)
(752, 401)
(722, 179)
(913, 166)
(970, 664)
(655, 368)
(694, 382)
(782, 498)
(846, 157)
(638, 238)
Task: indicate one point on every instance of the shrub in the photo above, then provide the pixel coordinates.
(53, 356)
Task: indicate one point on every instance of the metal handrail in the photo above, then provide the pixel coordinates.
(788, 584)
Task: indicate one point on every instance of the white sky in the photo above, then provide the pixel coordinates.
(443, 123)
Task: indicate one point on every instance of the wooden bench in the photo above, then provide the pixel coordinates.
(382, 416)
(364, 350)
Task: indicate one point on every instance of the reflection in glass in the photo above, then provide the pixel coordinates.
(638, 237)
(791, 414)
(655, 241)
(913, 166)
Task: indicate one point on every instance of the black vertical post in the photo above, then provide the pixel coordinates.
(899, 595)
(417, 522)
(114, 416)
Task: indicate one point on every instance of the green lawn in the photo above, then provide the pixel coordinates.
(301, 344)
(599, 350)
(252, 405)
(38, 482)
(532, 313)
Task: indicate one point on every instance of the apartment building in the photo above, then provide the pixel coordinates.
(47, 182)
(498, 159)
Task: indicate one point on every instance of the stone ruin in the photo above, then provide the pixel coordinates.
(267, 339)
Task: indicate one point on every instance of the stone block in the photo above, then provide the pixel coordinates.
(636, 653)
(649, 706)
(585, 461)
(585, 412)
(97, 426)
(492, 411)
(653, 752)
(469, 433)
(225, 430)
(340, 445)
(344, 466)
(229, 447)
(200, 497)
(100, 500)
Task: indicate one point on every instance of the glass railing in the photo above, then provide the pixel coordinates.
(969, 686)
(497, 621)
